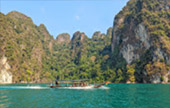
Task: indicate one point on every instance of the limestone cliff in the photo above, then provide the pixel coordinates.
(78, 43)
(63, 38)
(142, 37)
(140, 48)
(34, 56)
(98, 36)
(25, 45)
(5, 74)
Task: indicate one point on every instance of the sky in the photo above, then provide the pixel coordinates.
(68, 16)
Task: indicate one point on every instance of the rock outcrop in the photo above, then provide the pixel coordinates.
(78, 40)
(109, 31)
(137, 51)
(98, 36)
(139, 33)
(5, 74)
(25, 45)
(19, 16)
(79, 46)
(63, 38)
(35, 56)
(78, 36)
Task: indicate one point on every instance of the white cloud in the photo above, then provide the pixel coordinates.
(77, 17)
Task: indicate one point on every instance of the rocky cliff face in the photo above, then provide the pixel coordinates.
(25, 45)
(34, 56)
(140, 48)
(78, 43)
(63, 38)
(139, 33)
(5, 74)
(98, 36)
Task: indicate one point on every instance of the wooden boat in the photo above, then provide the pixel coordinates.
(75, 84)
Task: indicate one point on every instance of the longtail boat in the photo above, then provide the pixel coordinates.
(75, 84)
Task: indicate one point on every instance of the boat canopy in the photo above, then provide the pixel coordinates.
(72, 81)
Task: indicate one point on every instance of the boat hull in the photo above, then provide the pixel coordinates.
(84, 87)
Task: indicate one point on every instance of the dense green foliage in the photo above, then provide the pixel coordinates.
(155, 16)
(25, 45)
(36, 57)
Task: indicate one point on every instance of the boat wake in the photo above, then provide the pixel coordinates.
(23, 87)
(104, 87)
(87, 87)
(84, 88)
(40, 87)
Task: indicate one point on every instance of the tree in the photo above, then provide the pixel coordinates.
(119, 77)
(130, 73)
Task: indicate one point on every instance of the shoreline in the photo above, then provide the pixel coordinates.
(50, 82)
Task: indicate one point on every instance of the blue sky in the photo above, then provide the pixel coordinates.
(68, 16)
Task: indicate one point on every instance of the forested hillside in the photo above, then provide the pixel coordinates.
(34, 56)
(136, 49)
(141, 36)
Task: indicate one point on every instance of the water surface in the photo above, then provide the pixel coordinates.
(117, 96)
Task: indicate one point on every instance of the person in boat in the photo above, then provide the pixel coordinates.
(57, 84)
(81, 84)
(77, 85)
(73, 85)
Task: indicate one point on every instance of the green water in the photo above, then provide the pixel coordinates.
(117, 96)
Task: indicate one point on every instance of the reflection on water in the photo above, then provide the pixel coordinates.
(23, 87)
(117, 96)
(4, 99)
